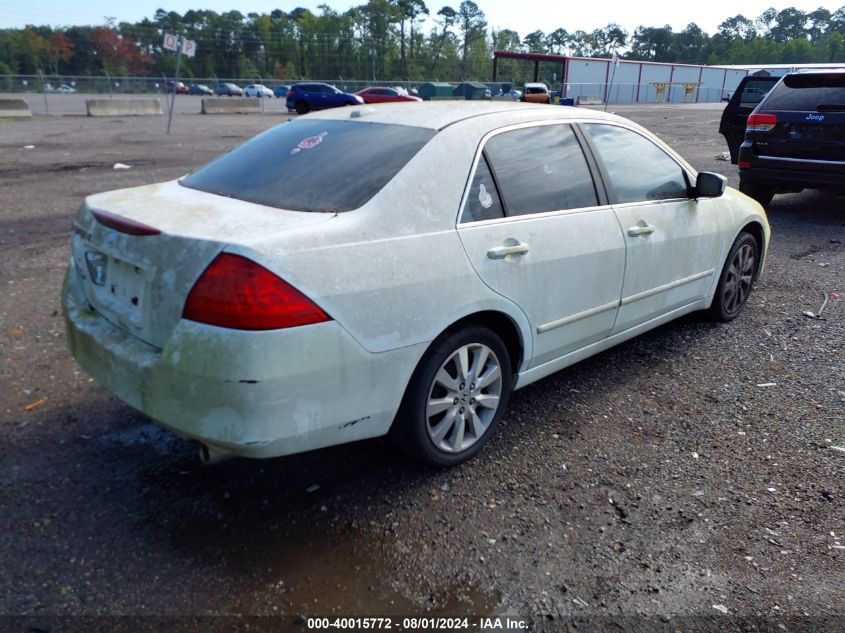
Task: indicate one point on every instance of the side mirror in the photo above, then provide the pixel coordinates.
(710, 185)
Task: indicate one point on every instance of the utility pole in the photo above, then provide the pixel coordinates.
(179, 40)
(178, 44)
(44, 90)
(615, 61)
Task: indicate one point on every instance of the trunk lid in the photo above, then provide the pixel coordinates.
(140, 282)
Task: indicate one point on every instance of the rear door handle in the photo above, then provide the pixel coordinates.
(640, 229)
(500, 252)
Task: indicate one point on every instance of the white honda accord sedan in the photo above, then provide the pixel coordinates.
(399, 269)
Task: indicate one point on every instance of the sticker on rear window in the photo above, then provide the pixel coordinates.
(309, 142)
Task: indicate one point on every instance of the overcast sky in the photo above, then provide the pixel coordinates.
(522, 16)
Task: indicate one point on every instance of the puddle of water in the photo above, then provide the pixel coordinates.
(270, 548)
(330, 576)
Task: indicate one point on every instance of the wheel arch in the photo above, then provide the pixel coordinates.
(753, 225)
(506, 328)
(756, 230)
(503, 326)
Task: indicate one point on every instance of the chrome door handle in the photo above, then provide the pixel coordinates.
(500, 252)
(640, 229)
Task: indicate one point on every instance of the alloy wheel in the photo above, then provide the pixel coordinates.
(739, 279)
(464, 397)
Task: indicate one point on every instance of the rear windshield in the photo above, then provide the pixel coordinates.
(302, 165)
(533, 90)
(810, 91)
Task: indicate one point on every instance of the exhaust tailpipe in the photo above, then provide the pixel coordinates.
(210, 455)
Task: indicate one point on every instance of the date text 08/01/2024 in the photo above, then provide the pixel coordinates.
(418, 624)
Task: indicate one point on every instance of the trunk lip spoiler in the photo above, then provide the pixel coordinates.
(122, 224)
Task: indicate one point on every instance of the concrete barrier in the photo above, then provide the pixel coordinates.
(589, 100)
(14, 108)
(123, 107)
(230, 105)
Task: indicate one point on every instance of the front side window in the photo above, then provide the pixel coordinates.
(638, 169)
(540, 169)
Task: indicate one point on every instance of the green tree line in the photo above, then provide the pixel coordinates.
(397, 40)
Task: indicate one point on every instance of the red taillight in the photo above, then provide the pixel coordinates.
(744, 164)
(290, 93)
(237, 293)
(761, 122)
(123, 225)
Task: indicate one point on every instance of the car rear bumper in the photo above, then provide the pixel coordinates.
(536, 99)
(791, 179)
(252, 394)
(790, 174)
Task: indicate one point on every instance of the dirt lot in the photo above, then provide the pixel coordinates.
(660, 478)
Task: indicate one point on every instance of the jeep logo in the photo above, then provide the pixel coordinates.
(815, 117)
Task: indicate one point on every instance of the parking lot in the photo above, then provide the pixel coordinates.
(693, 471)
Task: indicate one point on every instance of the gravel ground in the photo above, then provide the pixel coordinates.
(692, 467)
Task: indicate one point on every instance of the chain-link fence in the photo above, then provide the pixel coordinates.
(21, 84)
(611, 93)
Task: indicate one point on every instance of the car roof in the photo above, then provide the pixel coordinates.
(436, 115)
(818, 71)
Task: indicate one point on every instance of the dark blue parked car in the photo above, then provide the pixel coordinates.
(281, 92)
(317, 96)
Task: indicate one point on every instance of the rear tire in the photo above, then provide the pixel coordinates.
(455, 399)
(302, 107)
(737, 279)
(761, 194)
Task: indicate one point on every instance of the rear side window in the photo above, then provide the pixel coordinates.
(327, 166)
(754, 91)
(483, 202)
(541, 169)
(809, 92)
(638, 169)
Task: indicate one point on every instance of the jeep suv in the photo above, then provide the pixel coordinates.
(795, 137)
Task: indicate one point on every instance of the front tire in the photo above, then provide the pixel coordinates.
(737, 279)
(455, 399)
